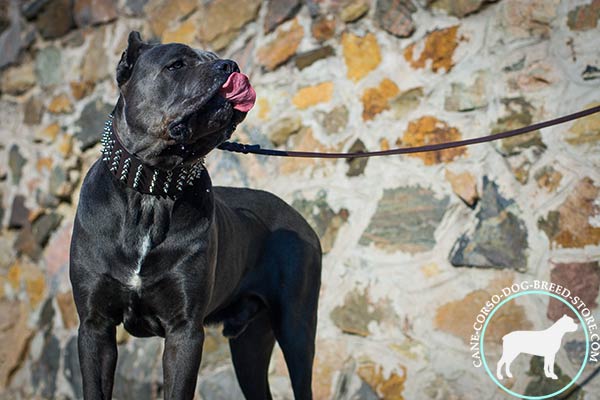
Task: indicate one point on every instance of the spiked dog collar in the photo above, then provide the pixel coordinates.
(130, 171)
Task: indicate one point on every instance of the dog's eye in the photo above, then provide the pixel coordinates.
(175, 65)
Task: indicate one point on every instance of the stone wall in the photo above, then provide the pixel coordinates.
(414, 245)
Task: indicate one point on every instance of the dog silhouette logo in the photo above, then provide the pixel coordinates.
(544, 343)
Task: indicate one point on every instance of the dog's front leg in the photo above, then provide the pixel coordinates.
(98, 357)
(181, 361)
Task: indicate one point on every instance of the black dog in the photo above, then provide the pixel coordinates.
(156, 247)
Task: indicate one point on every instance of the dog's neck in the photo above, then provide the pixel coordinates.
(132, 172)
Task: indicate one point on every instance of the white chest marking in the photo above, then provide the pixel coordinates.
(135, 281)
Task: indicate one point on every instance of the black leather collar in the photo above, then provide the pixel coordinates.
(130, 171)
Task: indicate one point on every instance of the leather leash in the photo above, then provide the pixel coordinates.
(256, 149)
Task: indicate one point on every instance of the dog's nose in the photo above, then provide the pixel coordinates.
(226, 66)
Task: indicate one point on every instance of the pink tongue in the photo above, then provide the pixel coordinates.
(239, 92)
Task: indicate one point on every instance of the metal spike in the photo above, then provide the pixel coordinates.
(192, 175)
(153, 182)
(198, 169)
(181, 179)
(167, 182)
(138, 174)
(109, 145)
(125, 171)
(116, 159)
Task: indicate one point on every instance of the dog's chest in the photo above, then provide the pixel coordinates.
(158, 251)
(145, 230)
(135, 280)
(137, 318)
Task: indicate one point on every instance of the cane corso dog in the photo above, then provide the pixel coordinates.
(156, 247)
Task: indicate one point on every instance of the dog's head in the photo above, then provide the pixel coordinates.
(567, 324)
(177, 102)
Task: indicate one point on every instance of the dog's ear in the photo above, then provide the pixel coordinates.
(135, 46)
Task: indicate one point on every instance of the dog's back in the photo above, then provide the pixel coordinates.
(269, 209)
